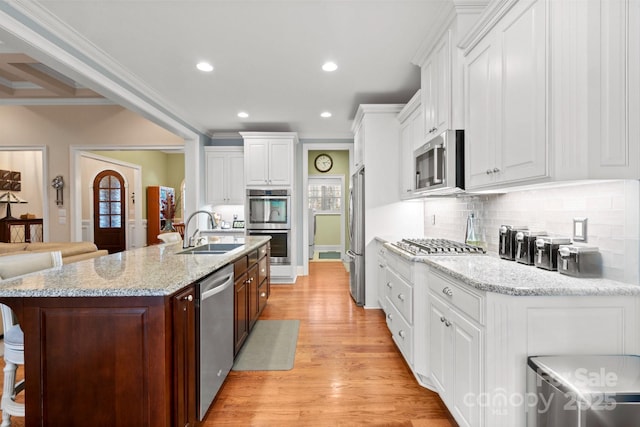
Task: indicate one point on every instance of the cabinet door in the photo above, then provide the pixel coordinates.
(427, 86)
(256, 152)
(234, 179)
(216, 177)
(241, 312)
(440, 349)
(482, 79)
(467, 368)
(523, 92)
(358, 146)
(407, 176)
(280, 162)
(254, 303)
(442, 85)
(184, 354)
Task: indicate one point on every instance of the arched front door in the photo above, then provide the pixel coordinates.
(109, 204)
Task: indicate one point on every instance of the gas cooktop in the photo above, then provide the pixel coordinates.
(423, 246)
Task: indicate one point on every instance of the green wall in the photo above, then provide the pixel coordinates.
(327, 226)
(158, 168)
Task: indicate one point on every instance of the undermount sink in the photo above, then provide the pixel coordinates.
(211, 249)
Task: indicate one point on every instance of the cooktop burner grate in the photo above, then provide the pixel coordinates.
(422, 246)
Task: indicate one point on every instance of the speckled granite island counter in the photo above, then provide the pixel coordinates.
(113, 340)
(467, 323)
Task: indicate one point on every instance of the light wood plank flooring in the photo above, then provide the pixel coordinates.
(347, 371)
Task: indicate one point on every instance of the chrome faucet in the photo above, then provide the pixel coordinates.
(188, 240)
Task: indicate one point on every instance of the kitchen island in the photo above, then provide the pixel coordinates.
(112, 341)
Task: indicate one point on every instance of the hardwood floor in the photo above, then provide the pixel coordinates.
(347, 371)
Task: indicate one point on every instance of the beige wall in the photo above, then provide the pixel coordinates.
(89, 170)
(29, 164)
(59, 127)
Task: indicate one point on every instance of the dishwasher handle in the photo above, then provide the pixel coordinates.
(216, 284)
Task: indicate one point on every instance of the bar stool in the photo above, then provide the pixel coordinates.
(13, 266)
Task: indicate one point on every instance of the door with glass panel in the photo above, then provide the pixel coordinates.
(326, 217)
(108, 211)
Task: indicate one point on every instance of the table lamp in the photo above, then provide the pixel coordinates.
(10, 198)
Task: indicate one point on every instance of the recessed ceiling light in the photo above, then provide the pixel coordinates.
(326, 115)
(330, 66)
(243, 115)
(204, 66)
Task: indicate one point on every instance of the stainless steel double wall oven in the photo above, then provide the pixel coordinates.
(268, 213)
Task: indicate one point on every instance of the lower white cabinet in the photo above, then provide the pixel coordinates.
(456, 364)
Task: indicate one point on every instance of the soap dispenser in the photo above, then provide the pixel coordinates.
(473, 234)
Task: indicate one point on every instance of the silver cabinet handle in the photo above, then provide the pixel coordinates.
(390, 316)
(188, 298)
(401, 297)
(389, 285)
(447, 291)
(496, 170)
(442, 319)
(447, 323)
(381, 265)
(489, 171)
(401, 334)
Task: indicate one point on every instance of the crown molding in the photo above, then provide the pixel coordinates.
(374, 109)
(48, 34)
(56, 101)
(410, 107)
(487, 20)
(270, 135)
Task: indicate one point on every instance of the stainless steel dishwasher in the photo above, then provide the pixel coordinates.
(215, 335)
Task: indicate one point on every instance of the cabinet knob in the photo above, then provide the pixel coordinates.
(401, 334)
(381, 265)
(447, 291)
(489, 171)
(263, 295)
(389, 285)
(447, 323)
(401, 297)
(496, 170)
(443, 319)
(188, 298)
(390, 316)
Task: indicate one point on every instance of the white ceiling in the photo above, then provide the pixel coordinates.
(267, 56)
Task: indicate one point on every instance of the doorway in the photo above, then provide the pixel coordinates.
(109, 207)
(326, 217)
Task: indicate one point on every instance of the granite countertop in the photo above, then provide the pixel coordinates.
(150, 271)
(492, 274)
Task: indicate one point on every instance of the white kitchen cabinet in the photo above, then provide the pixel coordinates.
(506, 96)
(358, 146)
(269, 158)
(435, 83)
(381, 275)
(411, 138)
(455, 347)
(398, 292)
(224, 168)
(614, 113)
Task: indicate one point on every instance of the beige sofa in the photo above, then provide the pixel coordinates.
(71, 251)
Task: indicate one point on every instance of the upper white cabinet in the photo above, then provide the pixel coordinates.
(506, 100)
(225, 175)
(435, 83)
(614, 114)
(411, 138)
(358, 146)
(552, 92)
(269, 158)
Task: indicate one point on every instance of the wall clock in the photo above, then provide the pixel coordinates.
(323, 163)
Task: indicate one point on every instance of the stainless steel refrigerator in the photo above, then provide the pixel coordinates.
(356, 236)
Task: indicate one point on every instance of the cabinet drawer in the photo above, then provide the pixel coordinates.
(402, 333)
(401, 266)
(262, 270)
(458, 295)
(262, 251)
(400, 294)
(240, 266)
(253, 257)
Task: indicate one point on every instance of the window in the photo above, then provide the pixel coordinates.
(325, 195)
(109, 202)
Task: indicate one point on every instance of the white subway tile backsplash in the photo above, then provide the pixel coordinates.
(612, 209)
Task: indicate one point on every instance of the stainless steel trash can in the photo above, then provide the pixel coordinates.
(583, 391)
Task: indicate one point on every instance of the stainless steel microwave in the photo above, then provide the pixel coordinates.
(439, 164)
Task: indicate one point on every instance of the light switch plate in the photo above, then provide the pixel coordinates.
(580, 229)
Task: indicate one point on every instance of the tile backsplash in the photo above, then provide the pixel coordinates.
(612, 209)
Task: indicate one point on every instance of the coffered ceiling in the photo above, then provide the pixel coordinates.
(266, 57)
